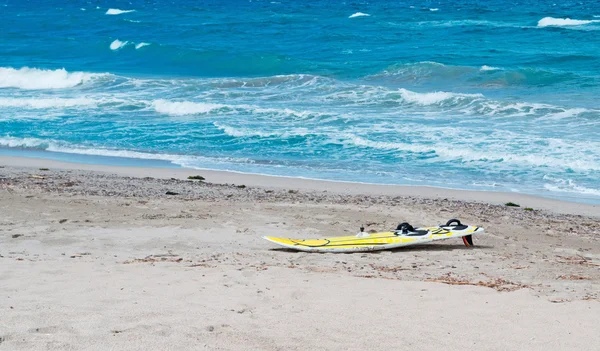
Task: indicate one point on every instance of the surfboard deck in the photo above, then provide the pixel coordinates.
(378, 241)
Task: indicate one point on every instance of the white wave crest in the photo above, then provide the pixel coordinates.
(434, 9)
(141, 45)
(117, 11)
(33, 78)
(562, 22)
(117, 44)
(464, 154)
(568, 186)
(489, 68)
(63, 147)
(23, 142)
(46, 103)
(359, 14)
(242, 132)
(436, 98)
(184, 108)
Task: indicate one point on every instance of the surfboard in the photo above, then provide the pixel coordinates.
(404, 235)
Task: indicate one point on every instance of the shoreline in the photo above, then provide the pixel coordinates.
(303, 184)
(130, 254)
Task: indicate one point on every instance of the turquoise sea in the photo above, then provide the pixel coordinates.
(489, 95)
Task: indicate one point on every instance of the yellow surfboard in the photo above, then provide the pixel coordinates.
(404, 235)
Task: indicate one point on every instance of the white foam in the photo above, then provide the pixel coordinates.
(562, 22)
(435, 98)
(117, 44)
(359, 14)
(141, 45)
(568, 186)
(33, 78)
(448, 151)
(434, 9)
(117, 11)
(489, 68)
(184, 108)
(23, 142)
(57, 146)
(46, 103)
(242, 132)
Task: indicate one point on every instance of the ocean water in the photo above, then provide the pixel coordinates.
(490, 95)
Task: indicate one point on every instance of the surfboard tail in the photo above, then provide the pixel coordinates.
(468, 240)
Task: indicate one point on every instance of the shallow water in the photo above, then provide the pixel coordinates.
(487, 95)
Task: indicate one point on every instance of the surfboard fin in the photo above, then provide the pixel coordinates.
(468, 240)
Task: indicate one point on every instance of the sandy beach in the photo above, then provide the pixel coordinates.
(102, 258)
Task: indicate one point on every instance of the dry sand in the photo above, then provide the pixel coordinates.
(100, 258)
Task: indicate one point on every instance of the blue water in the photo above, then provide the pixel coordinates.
(490, 95)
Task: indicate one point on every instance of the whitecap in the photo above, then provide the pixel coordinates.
(561, 22)
(434, 9)
(141, 45)
(117, 44)
(184, 108)
(435, 98)
(117, 11)
(489, 68)
(45, 103)
(242, 132)
(359, 14)
(33, 78)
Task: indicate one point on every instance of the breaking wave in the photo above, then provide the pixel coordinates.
(46, 103)
(117, 44)
(562, 22)
(359, 14)
(481, 76)
(117, 11)
(34, 78)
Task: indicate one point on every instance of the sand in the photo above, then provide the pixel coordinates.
(101, 258)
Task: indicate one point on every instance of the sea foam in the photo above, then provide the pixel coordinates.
(184, 108)
(117, 44)
(489, 68)
(436, 98)
(141, 45)
(562, 22)
(359, 14)
(33, 78)
(46, 103)
(117, 11)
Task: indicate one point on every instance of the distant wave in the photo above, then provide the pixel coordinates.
(33, 78)
(359, 14)
(44, 103)
(436, 98)
(117, 44)
(141, 45)
(562, 22)
(184, 108)
(243, 132)
(486, 76)
(489, 68)
(117, 11)
(433, 9)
